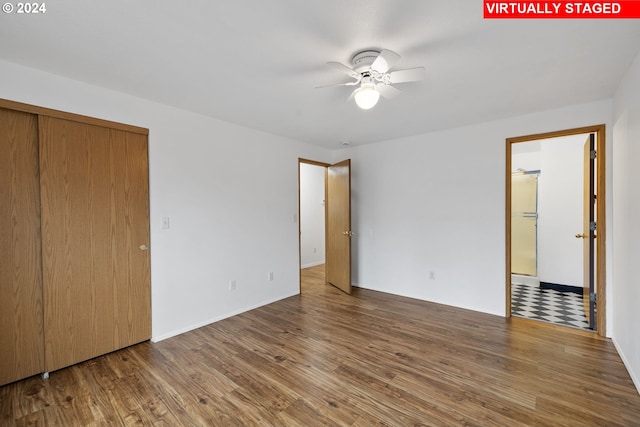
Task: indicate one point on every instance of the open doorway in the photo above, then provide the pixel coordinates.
(312, 184)
(555, 264)
(335, 204)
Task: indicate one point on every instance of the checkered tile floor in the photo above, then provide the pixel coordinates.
(561, 308)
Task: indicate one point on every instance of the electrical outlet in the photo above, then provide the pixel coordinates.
(166, 222)
(232, 285)
(270, 276)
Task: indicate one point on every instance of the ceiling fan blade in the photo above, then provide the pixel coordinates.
(387, 91)
(384, 61)
(348, 70)
(408, 75)
(339, 84)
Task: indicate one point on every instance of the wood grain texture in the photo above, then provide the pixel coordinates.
(507, 224)
(601, 219)
(21, 332)
(338, 212)
(130, 207)
(94, 186)
(42, 111)
(327, 358)
(588, 242)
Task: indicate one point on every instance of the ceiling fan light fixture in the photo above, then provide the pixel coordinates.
(367, 96)
(373, 77)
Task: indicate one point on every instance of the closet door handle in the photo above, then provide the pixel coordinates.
(144, 247)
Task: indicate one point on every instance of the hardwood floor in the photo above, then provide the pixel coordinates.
(326, 358)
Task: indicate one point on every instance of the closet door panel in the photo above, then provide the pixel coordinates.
(130, 245)
(21, 330)
(91, 265)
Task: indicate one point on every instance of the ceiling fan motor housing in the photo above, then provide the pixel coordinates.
(362, 61)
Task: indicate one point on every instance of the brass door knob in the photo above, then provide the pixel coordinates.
(347, 233)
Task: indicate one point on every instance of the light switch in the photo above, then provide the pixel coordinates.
(166, 222)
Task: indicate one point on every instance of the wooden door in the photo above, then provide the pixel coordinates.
(95, 237)
(338, 263)
(21, 332)
(588, 232)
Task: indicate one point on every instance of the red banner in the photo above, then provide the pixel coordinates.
(561, 9)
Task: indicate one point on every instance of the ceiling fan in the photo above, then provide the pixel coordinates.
(373, 78)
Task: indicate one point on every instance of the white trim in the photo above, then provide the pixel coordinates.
(525, 280)
(217, 319)
(625, 361)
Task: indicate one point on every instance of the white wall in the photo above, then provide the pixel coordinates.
(312, 215)
(435, 203)
(231, 194)
(626, 213)
(560, 210)
(529, 161)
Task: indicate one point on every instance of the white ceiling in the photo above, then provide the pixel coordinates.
(257, 62)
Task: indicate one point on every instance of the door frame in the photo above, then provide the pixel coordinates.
(325, 166)
(600, 249)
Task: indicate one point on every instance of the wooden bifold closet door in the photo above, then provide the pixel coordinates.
(74, 239)
(95, 236)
